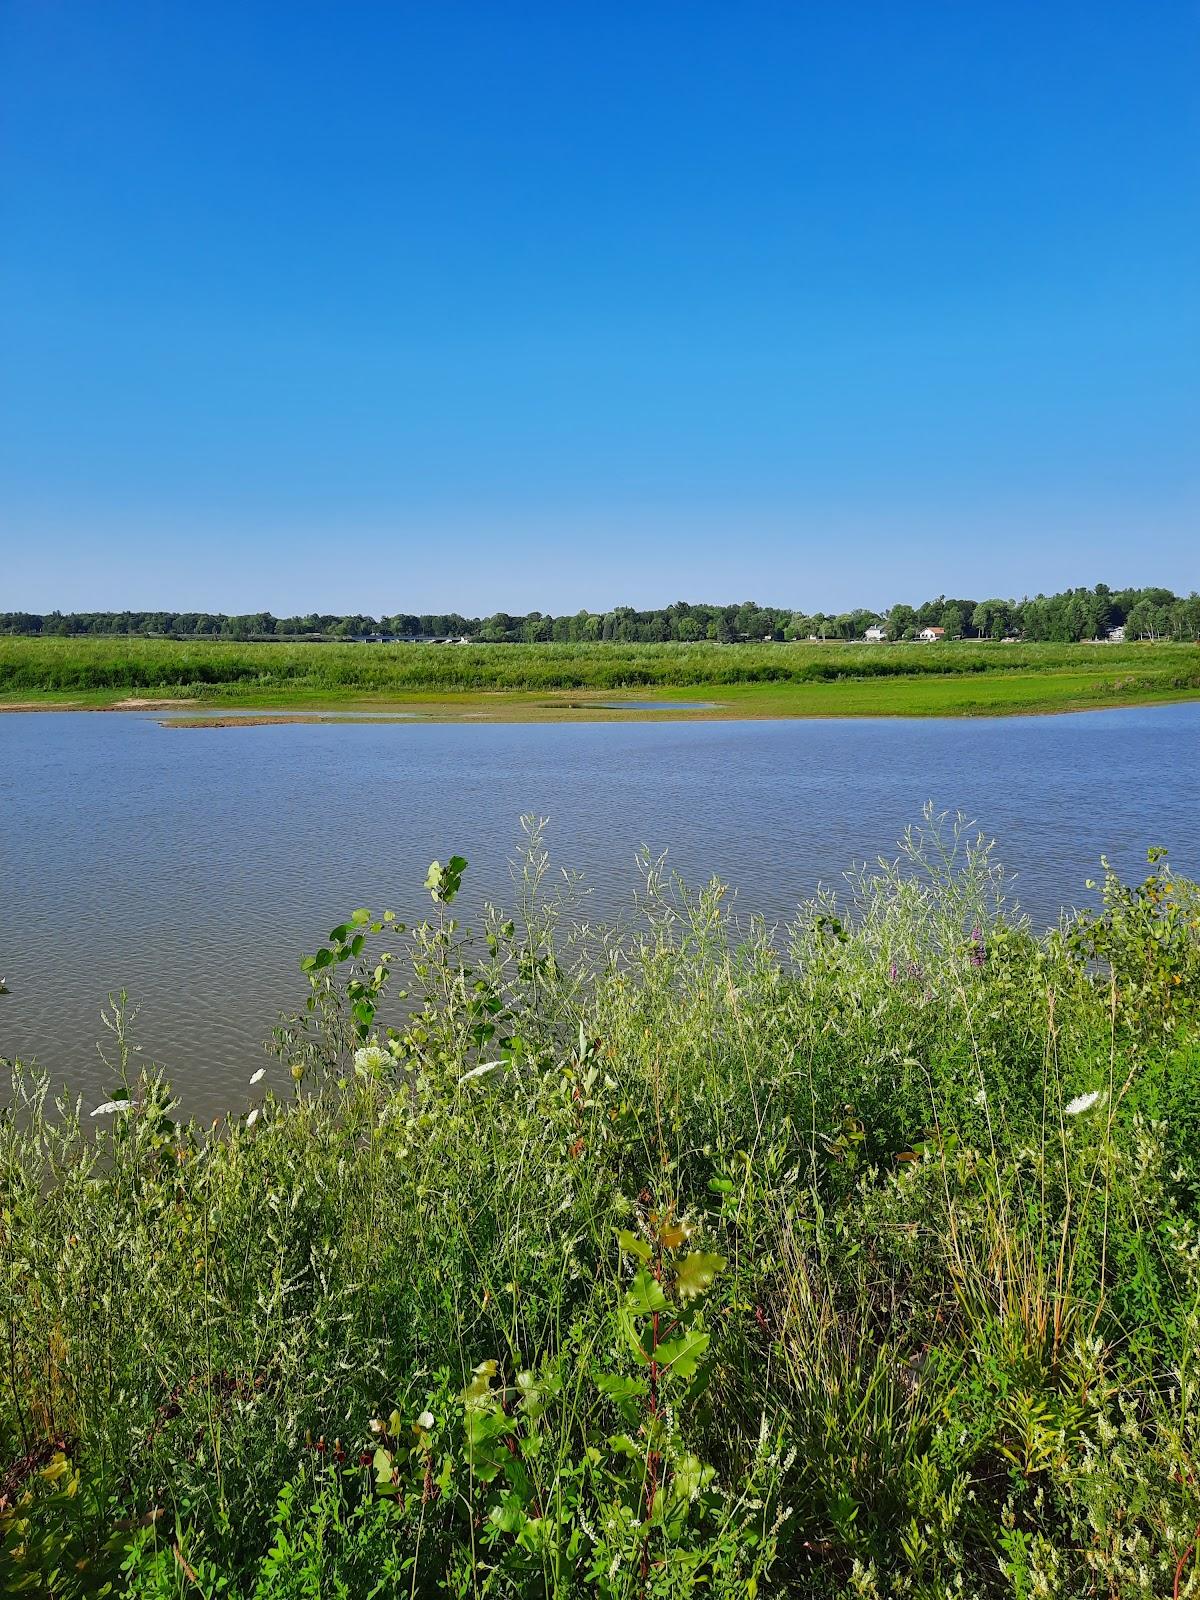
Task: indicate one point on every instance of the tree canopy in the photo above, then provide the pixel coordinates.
(1075, 614)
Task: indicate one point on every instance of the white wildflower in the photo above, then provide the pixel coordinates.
(258, 1076)
(1082, 1102)
(425, 1420)
(479, 1071)
(370, 1060)
(109, 1106)
(252, 1118)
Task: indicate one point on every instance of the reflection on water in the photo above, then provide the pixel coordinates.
(193, 870)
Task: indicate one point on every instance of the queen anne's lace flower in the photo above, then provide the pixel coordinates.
(370, 1060)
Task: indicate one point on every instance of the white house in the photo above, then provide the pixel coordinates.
(932, 635)
(1117, 635)
(876, 635)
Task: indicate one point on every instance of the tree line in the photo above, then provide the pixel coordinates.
(1073, 615)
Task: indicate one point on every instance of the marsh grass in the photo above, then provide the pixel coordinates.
(900, 677)
(861, 1261)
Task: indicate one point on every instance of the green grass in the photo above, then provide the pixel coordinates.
(533, 682)
(656, 1265)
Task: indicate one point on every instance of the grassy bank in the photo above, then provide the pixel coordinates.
(533, 682)
(642, 1266)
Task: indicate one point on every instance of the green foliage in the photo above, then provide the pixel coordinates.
(685, 1261)
(444, 882)
(60, 1532)
(1072, 615)
(857, 679)
(1144, 942)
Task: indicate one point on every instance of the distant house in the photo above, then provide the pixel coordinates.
(932, 635)
(1117, 635)
(876, 635)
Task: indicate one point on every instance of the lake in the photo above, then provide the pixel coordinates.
(192, 867)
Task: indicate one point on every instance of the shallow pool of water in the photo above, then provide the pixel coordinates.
(653, 705)
(186, 714)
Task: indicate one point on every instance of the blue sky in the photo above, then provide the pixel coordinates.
(480, 306)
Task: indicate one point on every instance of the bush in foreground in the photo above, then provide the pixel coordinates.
(864, 1262)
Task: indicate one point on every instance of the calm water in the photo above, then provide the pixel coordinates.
(193, 867)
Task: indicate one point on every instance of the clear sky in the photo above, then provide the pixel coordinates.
(510, 305)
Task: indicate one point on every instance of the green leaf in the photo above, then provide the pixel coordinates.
(632, 1245)
(645, 1293)
(690, 1476)
(683, 1354)
(623, 1445)
(625, 1393)
(620, 1388)
(484, 1423)
(699, 1384)
(536, 1393)
(509, 1516)
(444, 882)
(478, 1392)
(696, 1273)
(633, 1336)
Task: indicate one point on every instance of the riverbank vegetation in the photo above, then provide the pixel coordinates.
(1073, 615)
(860, 1261)
(535, 680)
